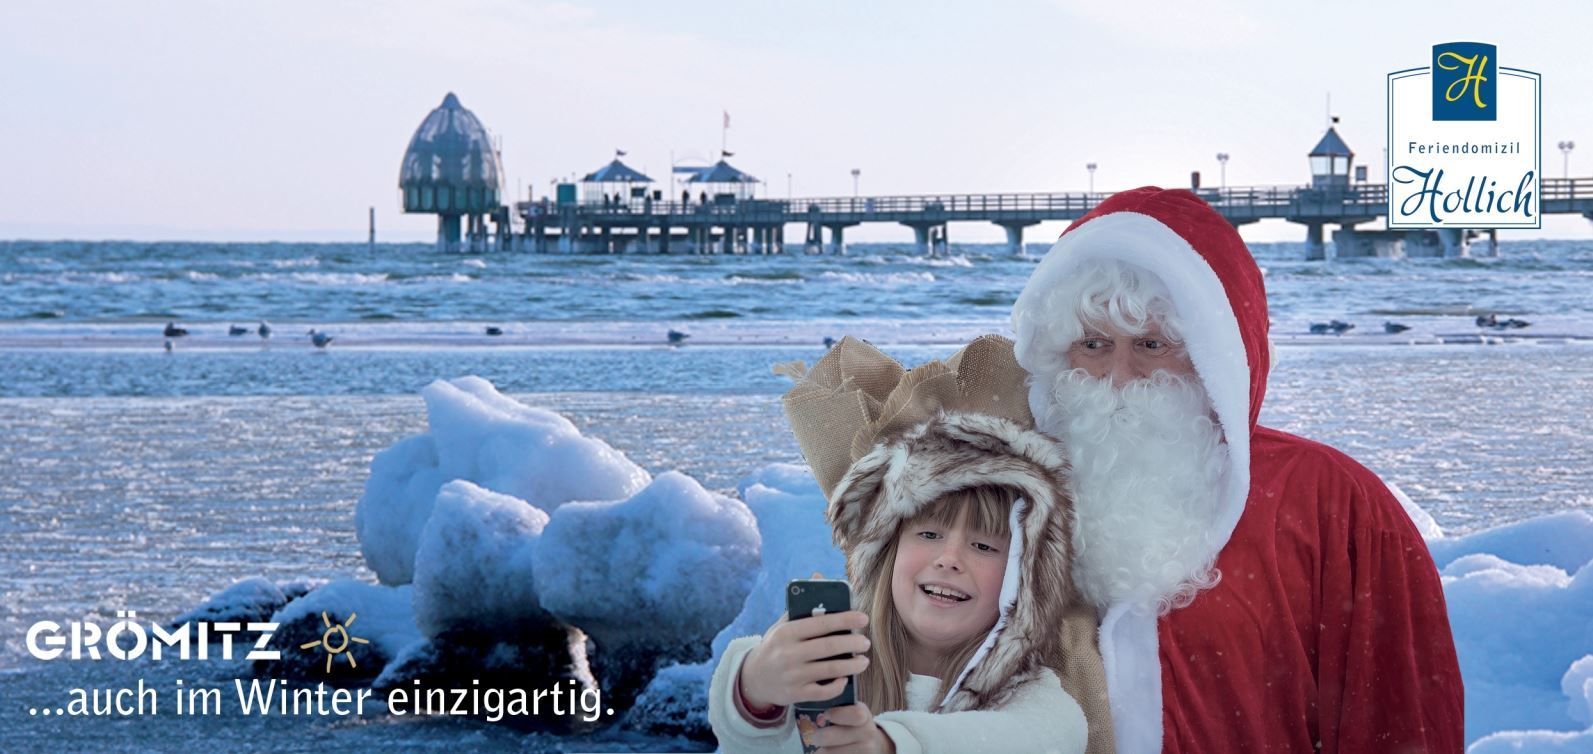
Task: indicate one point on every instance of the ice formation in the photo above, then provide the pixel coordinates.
(480, 435)
(671, 562)
(473, 568)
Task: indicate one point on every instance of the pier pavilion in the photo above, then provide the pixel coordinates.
(452, 169)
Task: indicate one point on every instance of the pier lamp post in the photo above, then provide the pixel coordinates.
(1222, 159)
(788, 187)
(1565, 149)
(1091, 167)
(855, 173)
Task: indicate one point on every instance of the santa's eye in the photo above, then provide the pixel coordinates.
(1093, 344)
(1156, 346)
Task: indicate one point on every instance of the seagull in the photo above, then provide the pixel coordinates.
(320, 339)
(828, 342)
(1339, 328)
(168, 345)
(677, 337)
(264, 330)
(1394, 328)
(173, 331)
(236, 330)
(1513, 323)
(494, 330)
(1487, 320)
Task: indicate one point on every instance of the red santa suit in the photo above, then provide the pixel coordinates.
(1327, 631)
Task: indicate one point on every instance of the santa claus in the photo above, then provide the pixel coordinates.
(1258, 591)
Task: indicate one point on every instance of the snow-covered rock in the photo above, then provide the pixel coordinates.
(381, 616)
(473, 570)
(537, 657)
(398, 499)
(248, 600)
(476, 602)
(675, 703)
(651, 578)
(789, 508)
(479, 435)
(673, 561)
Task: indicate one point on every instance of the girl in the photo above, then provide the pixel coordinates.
(956, 525)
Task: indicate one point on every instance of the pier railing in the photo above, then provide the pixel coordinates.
(1568, 188)
(1355, 202)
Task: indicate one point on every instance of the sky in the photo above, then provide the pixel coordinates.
(200, 120)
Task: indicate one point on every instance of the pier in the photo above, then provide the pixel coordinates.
(454, 170)
(760, 226)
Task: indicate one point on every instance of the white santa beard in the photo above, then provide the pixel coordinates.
(1148, 462)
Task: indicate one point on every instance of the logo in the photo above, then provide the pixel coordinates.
(1464, 81)
(1464, 142)
(336, 640)
(128, 639)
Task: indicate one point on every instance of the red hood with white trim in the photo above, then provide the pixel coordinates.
(1215, 287)
(1219, 244)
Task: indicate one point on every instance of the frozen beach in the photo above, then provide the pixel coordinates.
(149, 480)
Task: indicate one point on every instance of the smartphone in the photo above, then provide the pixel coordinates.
(808, 597)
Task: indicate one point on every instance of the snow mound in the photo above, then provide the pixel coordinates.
(1563, 540)
(1578, 687)
(671, 562)
(473, 567)
(797, 541)
(1424, 521)
(480, 435)
(381, 615)
(791, 478)
(1534, 742)
(1518, 627)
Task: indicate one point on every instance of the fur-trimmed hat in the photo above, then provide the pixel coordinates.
(885, 443)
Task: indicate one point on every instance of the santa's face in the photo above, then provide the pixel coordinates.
(1148, 463)
(1122, 357)
(946, 585)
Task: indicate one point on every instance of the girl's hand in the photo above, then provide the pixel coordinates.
(850, 730)
(789, 666)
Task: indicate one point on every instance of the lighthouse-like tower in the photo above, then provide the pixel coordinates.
(1330, 162)
(453, 170)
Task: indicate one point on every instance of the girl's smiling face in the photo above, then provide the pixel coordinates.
(946, 584)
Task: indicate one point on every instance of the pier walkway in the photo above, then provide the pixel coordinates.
(730, 225)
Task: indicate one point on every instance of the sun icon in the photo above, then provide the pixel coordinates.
(343, 640)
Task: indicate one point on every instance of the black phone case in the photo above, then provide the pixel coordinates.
(802, 598)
